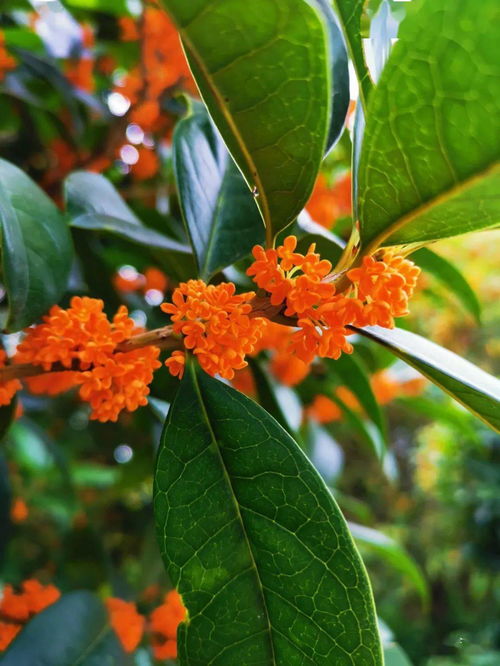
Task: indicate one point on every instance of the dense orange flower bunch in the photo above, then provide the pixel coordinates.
(7, 62)
(380, 291)
(126, 621)
(384, 287)
(297, 281)
(82, 338)
(10, 388)
(328, 203)
(16, 608)
(216, 326)
(164, 621)
(163, 65)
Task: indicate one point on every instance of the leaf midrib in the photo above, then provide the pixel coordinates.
(423, 208)
(205, 415)
(229, 119)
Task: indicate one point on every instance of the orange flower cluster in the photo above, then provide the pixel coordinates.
(384, 287)
(380, 292)
(8, 389)
(328, 203)
(129, 625)
(16, 608)
(385, 388)
(164, 621)
(82, 338)
(216, 326)
(163, 66)
(7, 62)
(297, 281)
(126, 621)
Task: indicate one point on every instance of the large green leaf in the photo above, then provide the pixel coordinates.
(36, 247)
(429, 165)
(93, 203)
(451, 277)
(222, 219)
(254, 540)
(75, 630)
(263, 70)
(475, 389)
(349, 13)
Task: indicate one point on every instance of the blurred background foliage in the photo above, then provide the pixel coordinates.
(95, 85)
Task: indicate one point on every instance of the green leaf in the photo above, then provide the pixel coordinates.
(264, 73)
(475, 389)
(365, 429)
(355, 377)
(340, 76)
(75, 630)
(254, 540)
(219, 211)
(93, 204)
(429, 165)
(266, 394)
(118, 7)
(393, 554)
(36, 247)
(349, 13)
(451, 277)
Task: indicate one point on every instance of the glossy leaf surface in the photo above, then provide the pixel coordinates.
(219, 211)
(475, 389)
(254, 541)
(36, 247)
(340, 75)
(93, 203)
(349, 13)
(263, 70)
(74, 630)
(429, 163)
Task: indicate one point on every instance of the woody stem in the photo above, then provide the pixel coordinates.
(160, 337)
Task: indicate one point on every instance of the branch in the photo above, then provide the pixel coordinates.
(160, 337)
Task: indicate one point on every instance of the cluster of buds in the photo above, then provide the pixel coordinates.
(81, 347)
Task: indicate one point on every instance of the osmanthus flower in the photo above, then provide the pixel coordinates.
(82, 339)
(127, 622)
(303, 284)
(16, 608)
(298, 282)
(216, 325)
(163, 623)
(10, 388)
